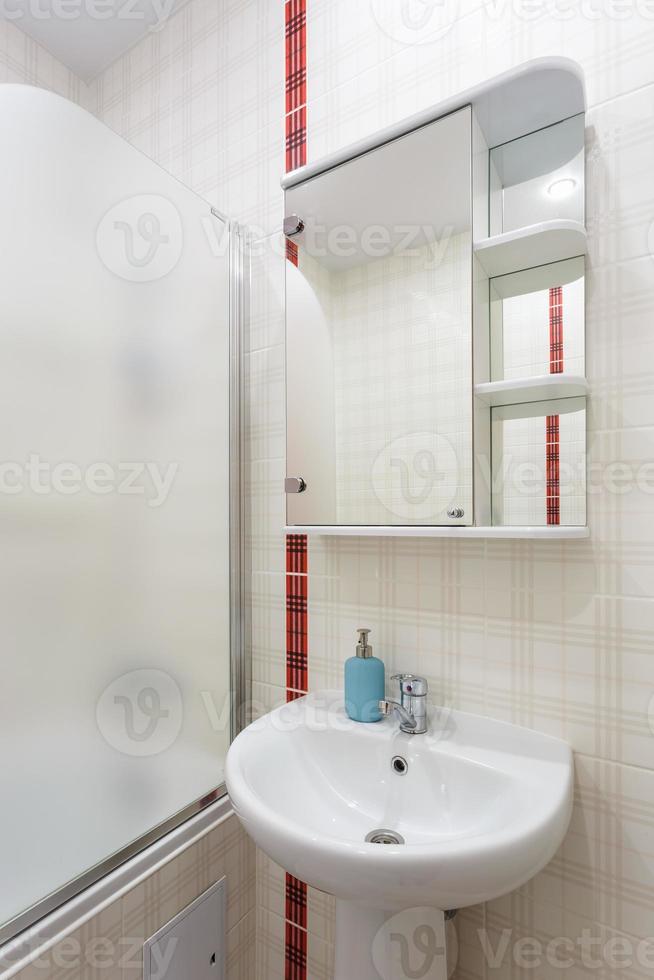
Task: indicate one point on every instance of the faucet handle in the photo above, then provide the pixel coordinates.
(412, 685)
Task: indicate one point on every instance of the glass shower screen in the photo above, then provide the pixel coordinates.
(114, 497)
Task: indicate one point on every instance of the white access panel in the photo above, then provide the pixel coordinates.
(192, 945)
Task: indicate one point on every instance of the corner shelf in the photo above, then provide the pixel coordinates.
(533, 532)
(519, 391)
(535, 245)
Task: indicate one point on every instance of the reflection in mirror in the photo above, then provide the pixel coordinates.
(539, 463)
(537, 321)
(538, 177)
(379, 335)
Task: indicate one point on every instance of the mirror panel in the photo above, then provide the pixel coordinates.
(379, 374)
(538, 321)
(539, 463)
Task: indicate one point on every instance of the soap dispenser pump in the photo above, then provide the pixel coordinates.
(365, 684)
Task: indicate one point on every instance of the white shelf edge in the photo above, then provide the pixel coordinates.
(540, 533)
(520, 391)
(525, 248)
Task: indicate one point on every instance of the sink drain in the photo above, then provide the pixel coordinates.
(384, 837)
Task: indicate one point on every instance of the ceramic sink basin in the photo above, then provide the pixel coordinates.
(482, 806)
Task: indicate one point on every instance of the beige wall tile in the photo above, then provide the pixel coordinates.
(241, 949)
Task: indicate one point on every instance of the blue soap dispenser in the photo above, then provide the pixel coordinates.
(365, 682)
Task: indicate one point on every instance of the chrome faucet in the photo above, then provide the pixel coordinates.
(412, 706)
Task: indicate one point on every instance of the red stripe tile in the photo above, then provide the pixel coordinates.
(552, 440)
(296, 633)
(296, 138)
(296, 552)
(296, 953)
(292, 252)
(556, 330)
(297, 657)
(552, 454)
(296, 83)
(296, 54)
(296, 902)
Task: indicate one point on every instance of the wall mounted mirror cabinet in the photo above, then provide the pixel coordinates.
(435, 321)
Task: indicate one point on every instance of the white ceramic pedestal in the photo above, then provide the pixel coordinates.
(372, 944)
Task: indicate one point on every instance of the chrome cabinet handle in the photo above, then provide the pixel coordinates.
(294, 484)
(293, 225)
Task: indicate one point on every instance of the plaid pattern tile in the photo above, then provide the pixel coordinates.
(296, 84)
(296, 544)
(296, 553)
(296, 901)
(241, 949)
(556, 330)
(553, 465)
(552, 424)
(297, 665)
(295, 953)
(296, 54)
(292, 252)
(296, 139)
(26, 62)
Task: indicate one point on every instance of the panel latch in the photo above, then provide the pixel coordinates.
(294, 484)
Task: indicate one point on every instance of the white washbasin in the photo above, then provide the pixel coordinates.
(483, 806)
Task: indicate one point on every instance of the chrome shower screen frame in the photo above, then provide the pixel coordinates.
(239, 309)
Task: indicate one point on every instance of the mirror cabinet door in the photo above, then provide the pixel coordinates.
(379, 335)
